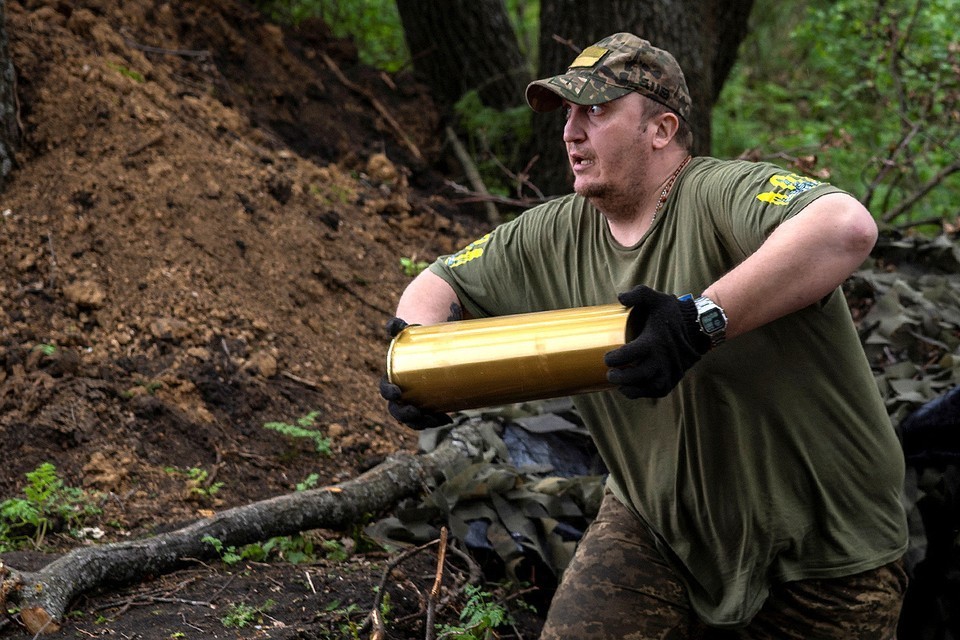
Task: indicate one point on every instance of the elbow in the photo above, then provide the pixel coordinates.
(858, 231)
(854, 231)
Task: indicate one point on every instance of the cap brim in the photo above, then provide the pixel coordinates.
(548, 94)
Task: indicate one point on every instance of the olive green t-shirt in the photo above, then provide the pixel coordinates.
(774, 458)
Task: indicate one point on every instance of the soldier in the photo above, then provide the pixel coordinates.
(755, 478)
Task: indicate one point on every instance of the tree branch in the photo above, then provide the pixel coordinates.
(473, 175)
(920, 193)
(43, 596)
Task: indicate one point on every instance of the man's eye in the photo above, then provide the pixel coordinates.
(566, 112)
(595, 109)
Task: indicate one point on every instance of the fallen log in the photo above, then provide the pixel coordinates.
(43, 596)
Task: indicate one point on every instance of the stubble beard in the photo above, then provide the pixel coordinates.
(613, 203)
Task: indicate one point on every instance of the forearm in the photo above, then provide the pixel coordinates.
(429, 300)
(801, 262)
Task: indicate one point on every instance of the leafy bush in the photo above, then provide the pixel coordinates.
(373, 25)
(867, 93)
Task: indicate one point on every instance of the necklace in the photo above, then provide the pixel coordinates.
(666, 189)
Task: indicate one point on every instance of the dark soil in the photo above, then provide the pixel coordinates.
(203, 235)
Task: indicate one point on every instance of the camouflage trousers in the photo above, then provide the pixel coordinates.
(620, 587)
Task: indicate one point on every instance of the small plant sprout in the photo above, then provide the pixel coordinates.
(46, 348)
(412, 267)
(303, 429)
(242, 615)
(228, 555)
(310, 482)
(197, 483)
(198, 486)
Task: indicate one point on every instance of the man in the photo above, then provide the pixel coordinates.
(754, 487)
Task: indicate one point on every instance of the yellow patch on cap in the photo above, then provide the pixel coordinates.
(589, 57)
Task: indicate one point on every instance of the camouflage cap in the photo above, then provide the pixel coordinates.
(611, 69)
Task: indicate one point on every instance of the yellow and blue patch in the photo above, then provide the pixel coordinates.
(470, 252)
(786, 188)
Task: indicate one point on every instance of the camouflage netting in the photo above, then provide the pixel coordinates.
(912, 337)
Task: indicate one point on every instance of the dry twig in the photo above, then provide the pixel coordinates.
(435, 590)
(376, 105)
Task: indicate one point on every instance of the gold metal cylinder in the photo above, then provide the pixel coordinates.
(490, 361)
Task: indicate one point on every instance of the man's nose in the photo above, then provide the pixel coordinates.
(572, 128)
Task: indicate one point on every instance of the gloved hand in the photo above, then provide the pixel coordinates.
(668, 342)
(408, 414)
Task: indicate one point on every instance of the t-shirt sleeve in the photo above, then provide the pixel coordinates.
(489, 275)
(749, 200)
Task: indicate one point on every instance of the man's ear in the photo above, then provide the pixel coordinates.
(667, 125)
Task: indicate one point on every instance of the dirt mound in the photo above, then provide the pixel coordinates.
(203, 235)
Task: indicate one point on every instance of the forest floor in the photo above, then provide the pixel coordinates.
(203, 235)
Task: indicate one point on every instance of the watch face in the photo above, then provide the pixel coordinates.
(712, 321)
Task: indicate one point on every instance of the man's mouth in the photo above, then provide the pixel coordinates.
(579, 162)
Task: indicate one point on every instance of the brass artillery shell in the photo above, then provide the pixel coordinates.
(491, 361)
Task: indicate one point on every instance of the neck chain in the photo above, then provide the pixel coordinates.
(666, 189)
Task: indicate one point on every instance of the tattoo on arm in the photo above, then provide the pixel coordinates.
(456, 312)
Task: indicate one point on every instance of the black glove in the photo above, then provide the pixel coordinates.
(395, 325)
(408, 414)
(668, 342)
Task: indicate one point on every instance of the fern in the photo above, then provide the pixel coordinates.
(48, 502)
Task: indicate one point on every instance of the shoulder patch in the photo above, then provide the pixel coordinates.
(470, 252)
(786, 187)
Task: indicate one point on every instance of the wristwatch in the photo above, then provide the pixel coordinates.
(712, 320)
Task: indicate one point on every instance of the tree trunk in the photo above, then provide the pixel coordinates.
(9, 128)
(43, 596)
(703, 36)
(459, 45)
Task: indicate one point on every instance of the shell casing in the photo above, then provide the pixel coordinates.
(491, 361)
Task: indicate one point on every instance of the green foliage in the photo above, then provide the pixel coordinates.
(349, 628)
(296, 549)
(228, 555)
(47, 504)
(868, 92)
(412, 266)
(197, 483)
(496, 139)
(45, 348)
(525, 18)
(293, 549)
(136, 76)
(335, 550)
(310, 482)
(242, 615)
(196, 480)
(481, 616)
(373, 25)
(303, 429)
